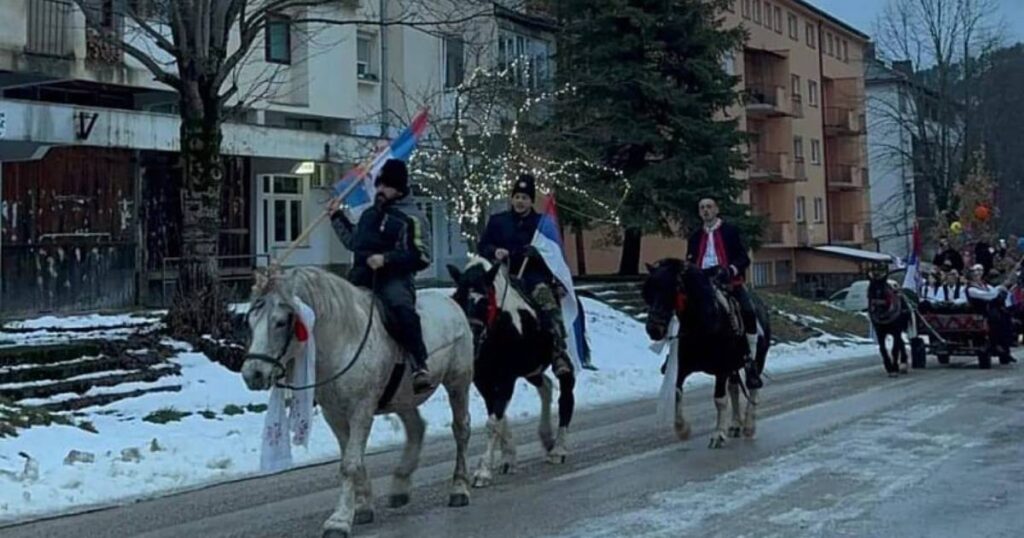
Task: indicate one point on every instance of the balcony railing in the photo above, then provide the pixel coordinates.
(48, 28)
(848, 232)
(768, 100)
(843, 121)
(779, 234)
(844, 176)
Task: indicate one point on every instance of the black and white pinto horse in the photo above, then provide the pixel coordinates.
(509, 343)
(890, 317)
(711, 340)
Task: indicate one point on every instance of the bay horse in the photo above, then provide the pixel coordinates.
(890, 317)
(711, 340)
(509, 344)
(355, 358)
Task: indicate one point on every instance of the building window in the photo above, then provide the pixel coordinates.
(798, 148)
(366, 56)
(768, 15)
(794, 85)
(819, 210)
(527, 58)
(762, 274)
(811, 36)
(801, 209)
(812, 93)
(828, 41)
(846, 51)
(454, 61)
(794, 27)
(729, 62)
(283, 200)
(746, 8)
(815, 151)
(778, 19)
(783, 273)
(278, 40)
(757, 11)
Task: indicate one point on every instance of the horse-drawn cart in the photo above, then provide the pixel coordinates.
(950, 330)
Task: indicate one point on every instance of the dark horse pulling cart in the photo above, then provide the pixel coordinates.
(951, 330)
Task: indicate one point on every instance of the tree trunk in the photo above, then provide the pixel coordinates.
(581, 252)
(199, 306)
(629, 264)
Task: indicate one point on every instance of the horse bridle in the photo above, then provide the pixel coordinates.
(485, 325)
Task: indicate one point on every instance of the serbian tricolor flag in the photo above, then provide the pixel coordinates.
(400, 148)
(548, 242)
(912, 280)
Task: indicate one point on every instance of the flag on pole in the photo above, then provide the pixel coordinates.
(548, 242)
(400, 148)
(912, 280)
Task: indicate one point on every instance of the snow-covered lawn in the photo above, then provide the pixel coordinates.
(133, 458)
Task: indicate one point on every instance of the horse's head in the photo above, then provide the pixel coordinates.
(881, 296)
(664, 295)
(475, 294)
(276, 332)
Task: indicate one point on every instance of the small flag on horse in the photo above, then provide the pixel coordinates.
(400, 148)
(548, 242)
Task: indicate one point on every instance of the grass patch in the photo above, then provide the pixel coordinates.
(828, 320)
(256, 408)
(88, 426)
(207, 414)
(165, 415)
(14, 417)
(232, 409)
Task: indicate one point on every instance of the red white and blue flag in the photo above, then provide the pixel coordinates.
(400, 148)
(912, 280)
(548, 242)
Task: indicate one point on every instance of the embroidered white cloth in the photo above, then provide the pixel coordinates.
(666, 412)
(290, 413)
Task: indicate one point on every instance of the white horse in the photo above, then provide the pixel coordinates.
(350, 400)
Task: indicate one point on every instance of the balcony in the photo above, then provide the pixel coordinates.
(48, 28)
(845, 177)
(775, 167)
(843, 121)
(803, 235)
(848, 233)
(768, 101)
(779, 234)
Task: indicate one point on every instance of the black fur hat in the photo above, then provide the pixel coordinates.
(394, 174)
(527, 185)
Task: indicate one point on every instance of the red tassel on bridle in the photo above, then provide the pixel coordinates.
(680, 303)
(492, 307)
(301, 332)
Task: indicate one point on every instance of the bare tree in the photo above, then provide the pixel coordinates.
(198, 48)
(936, 45)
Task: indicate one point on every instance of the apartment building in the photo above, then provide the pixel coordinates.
(89, 172)
(802, 74)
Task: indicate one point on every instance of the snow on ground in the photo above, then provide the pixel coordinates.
(197, 450)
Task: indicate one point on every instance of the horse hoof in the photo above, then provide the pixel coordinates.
(507, 468)
(481, 481)
(557, 459)
(749, 432)
(398, 500)
(363, 517)
(717, 440)
(734, 432)
(457, 500)
(335, 533)
(683, 432)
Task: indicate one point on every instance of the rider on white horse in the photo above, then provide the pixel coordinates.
(392, 240)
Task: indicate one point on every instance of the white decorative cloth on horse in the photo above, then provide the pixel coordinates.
(666, 411)
(279, 430)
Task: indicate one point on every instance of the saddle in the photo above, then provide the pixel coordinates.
(732, 310)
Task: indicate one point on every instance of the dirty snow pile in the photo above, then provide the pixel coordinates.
(210, 430)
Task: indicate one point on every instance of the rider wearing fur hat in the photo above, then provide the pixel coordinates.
(507, 238)
(392, 241)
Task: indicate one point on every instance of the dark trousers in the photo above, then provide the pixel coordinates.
(739, 291)
(399, 298)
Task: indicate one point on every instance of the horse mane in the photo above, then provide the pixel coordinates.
(509, 299)
(329, 295)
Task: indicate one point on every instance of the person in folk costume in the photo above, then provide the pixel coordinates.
(990, 300)
(948, 254)
(507, 238)
(392, 240)
(953, 289)
(718, 250)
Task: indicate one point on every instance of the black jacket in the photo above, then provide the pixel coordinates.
(514, 233)
(952, 256)
(396, 230)
(735, 249)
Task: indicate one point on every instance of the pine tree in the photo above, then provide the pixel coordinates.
(649, 100)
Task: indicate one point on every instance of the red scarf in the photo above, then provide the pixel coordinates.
(723, 256)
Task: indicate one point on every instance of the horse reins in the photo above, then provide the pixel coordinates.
(278, 364)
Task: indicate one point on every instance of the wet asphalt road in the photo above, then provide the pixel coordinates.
(841, 451)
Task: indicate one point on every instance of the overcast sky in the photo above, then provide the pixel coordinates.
(861, 14)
